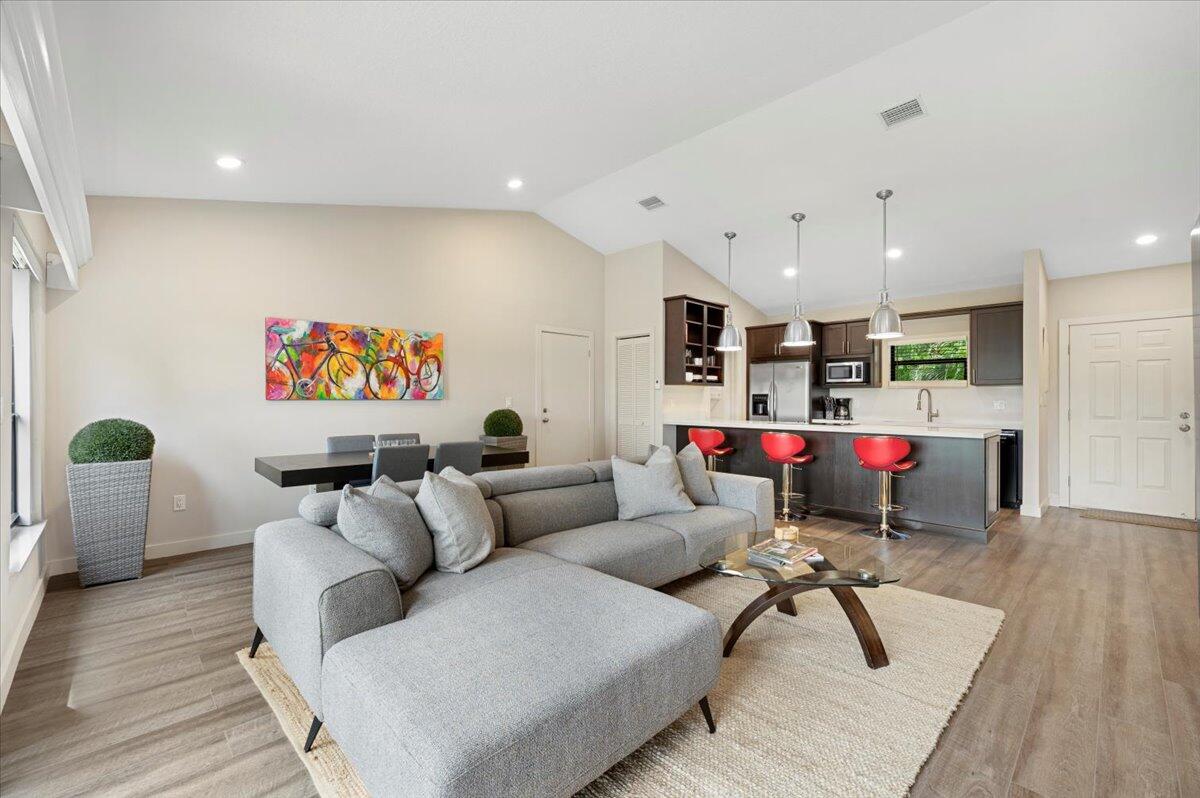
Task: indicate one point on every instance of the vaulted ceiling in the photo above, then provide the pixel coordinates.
(1073, 127)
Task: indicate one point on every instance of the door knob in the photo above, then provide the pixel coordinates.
(1185, 414)
(1185, 427)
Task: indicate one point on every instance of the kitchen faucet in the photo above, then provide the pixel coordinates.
(930, 414)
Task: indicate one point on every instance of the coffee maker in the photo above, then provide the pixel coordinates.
(841, 409)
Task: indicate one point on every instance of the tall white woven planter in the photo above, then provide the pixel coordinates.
(109, 506)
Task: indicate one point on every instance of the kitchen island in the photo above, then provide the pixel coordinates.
(955, 488)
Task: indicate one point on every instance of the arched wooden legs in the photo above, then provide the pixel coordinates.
(780, 596)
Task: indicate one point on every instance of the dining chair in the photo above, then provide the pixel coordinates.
(340, 444)
(401, 463)
(466, 456)
(385, 439)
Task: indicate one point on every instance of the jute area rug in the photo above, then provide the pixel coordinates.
(798, 711)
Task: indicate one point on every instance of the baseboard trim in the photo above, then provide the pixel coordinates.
(156, 551)
(24, 627)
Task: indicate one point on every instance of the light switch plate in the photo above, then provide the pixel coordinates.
(999, 404)
(180, 502)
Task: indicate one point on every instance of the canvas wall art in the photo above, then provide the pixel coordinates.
(323, 360)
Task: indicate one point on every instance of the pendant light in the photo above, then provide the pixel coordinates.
(798, 331)
(885, 321)
(730, 339)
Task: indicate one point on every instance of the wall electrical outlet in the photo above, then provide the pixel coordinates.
(999, 404)
(180, 502)
(508, 402)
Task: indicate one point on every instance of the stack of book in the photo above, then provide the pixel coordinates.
(779, 554)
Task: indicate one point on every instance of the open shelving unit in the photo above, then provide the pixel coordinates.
(692, 329)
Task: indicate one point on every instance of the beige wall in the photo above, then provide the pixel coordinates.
(682, 276)
(956, 299)
(1034, 379)
(633, 291)
(1162, 288)
(167, 329)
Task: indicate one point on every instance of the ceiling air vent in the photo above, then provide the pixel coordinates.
(902, 112)
(651, 203)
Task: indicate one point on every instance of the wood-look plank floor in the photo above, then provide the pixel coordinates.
(1091, 688)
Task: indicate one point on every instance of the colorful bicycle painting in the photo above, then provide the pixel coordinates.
(322, 360)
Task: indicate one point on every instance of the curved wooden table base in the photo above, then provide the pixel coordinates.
(780, 596)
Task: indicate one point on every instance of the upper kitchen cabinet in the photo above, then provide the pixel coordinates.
(846, 338)
(690, 340)
(765, 342)
(996, 345)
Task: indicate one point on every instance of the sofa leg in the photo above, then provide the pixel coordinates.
(312, 734)
(708, 718)
(258, 638)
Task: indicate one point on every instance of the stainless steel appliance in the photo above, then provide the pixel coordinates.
(781, 391)
(847, 372)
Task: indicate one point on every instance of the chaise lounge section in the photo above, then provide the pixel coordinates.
(531, 673)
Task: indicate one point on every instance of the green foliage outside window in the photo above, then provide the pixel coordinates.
(932, 361)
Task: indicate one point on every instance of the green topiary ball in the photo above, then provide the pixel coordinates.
(502, 423)
(111, 440)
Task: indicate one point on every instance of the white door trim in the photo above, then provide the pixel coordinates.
(1064, 383)
(537, 383)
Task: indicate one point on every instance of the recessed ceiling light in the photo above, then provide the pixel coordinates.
(790, 271)
(229, 162)
(1146, 240)
(515, 183)
(894, 253)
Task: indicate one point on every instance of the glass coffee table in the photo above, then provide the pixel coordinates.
(728, 558)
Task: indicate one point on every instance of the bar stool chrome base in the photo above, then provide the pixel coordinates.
(885, 531)
(789, 512)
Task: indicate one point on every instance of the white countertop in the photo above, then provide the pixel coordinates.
(857, 428)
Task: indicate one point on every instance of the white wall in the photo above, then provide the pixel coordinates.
(970, 404)
(682, 276)
(1157, 289)
(1034, 477)
(167, 329)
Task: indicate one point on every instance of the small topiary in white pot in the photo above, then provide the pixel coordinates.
(108, 481)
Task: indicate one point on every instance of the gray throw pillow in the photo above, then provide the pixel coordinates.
(457, 515)
(694, 471)
(649, 489)
(386, 524)
(320, 508)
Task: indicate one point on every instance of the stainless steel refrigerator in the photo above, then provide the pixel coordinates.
(781, 391)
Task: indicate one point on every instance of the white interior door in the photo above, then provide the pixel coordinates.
(564, 432)
(1131, 415)
(635, 396)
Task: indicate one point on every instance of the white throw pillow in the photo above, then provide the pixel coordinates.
(457, 515)
(649, 489)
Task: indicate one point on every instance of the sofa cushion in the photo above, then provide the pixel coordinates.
(643, 553)
(534, 686)
(694, 472)
(534, 513)
(320, 508)
(649, 489)
(519, 480)
(413, 486)
(457, 516)
(386, 524)
(438, 586)
(702, 527)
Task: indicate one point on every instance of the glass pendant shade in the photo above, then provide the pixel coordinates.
(885, 321)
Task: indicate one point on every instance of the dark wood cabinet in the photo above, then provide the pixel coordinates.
(996, 345)
(857, 342)
(690, 339)
(765, 342)
(833, 343)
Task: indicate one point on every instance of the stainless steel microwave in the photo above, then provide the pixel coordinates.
(853, 372)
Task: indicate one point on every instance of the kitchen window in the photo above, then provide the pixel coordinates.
(935, 360)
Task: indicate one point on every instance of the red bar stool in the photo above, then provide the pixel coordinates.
(885, 454)
(785, 448)
(709, 442)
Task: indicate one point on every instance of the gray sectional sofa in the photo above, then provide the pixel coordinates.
(528, 675)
